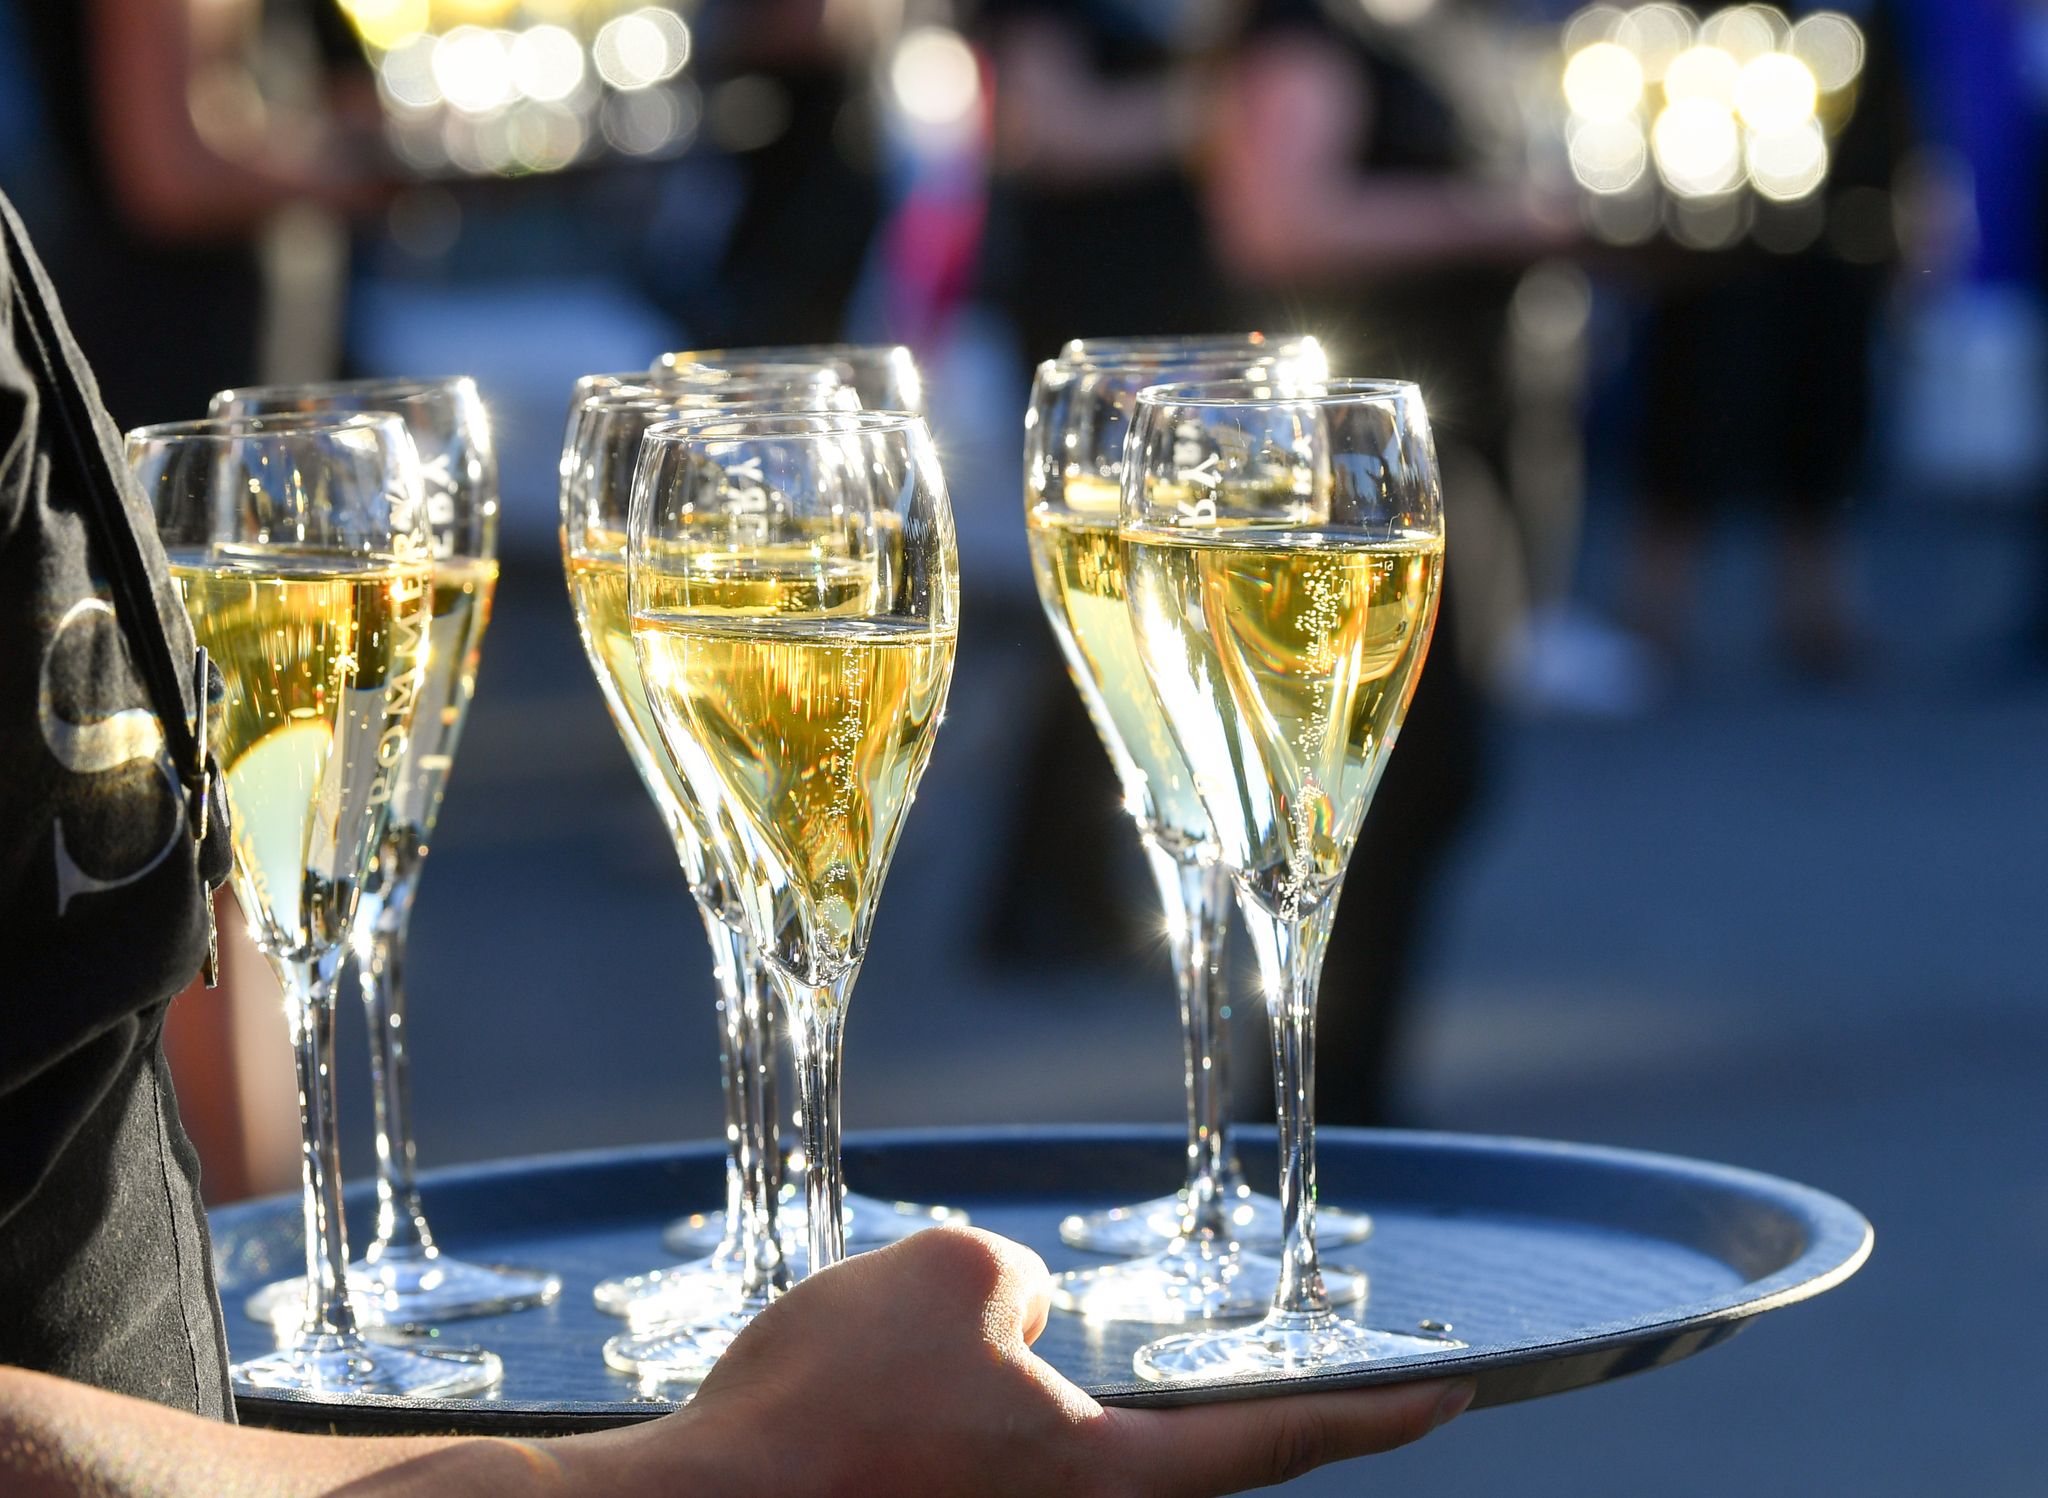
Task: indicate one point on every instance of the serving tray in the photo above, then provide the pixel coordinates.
(1557, 1265)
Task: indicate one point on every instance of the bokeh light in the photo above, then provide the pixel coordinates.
(1697, 147)
(406, 74)
(1702, 74)
(642, 48)
(473, 69)
(385, 23)
(1655, 34)
(1775, 93)
(1744, 32)
(1608, 156)
(547, 63)
(1831, 46)
(1603, 82)
(1789, 164)
(1596, 23)
(935, 76)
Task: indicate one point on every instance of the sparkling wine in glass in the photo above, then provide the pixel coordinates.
(607, 422)
(1283, 552)
(802, 714)
(298, 546)
(1195, 1251)
(404, 1276)
(875, 377)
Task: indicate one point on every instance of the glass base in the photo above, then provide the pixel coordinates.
(678, 1353)
(1193, 1279)
(870, 1221)
(1148, 1227)
(353, 1364)
(410, 1288)
(680, 1292)
(1283, 1345)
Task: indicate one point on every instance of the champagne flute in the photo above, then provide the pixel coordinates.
(883, 375)
(1283, 551)
(877, 377)
(607, 422)
(297, 545)
(1194, 1246)
(404, 1277)
(795, 597)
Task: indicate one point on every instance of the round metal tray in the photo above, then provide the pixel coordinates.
(1557, 1265)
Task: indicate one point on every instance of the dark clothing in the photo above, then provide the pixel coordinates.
(105, 1265)
(1109, 259)
(164, 325)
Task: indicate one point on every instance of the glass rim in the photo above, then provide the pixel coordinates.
(1096, 353)
(768, 426)
(398, 387)
(267, 424)
(1222, 394)
(771, 354)
(642, 397)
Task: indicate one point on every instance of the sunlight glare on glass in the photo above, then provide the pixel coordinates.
(1698, 149)
(1831, 46)
(1603, 82)
(1775, 93)
(935, 76)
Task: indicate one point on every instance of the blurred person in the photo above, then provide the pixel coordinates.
(170, 161)
(1758, 382)
(1096, 230)
(1350, 190)
(788, 103)
(908, 1370)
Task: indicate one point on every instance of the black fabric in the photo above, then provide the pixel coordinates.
(105, 1271)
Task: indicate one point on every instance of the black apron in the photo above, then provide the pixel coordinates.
(105, 1264)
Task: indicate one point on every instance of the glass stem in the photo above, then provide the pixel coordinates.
(732, 968)
(764, 1273)
(817, 1027)
(1290, 951)
(309, 995)
(1194, 889)
(383, 921)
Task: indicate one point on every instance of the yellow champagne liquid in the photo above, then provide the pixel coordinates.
(323, 670)
(753, 583)
(1078, 563)
(462, 592)
(814, 732)
(1284, 661)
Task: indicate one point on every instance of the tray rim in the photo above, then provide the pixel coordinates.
(1840, 1240)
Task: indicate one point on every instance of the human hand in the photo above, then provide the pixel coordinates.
(908, 1371)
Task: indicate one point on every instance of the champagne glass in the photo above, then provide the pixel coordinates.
(1191, 1264)
(878, 377)
(795, 596)
(884, 375)
(297, 545)
(404, 1277)
(1283, 550)
(600, 453)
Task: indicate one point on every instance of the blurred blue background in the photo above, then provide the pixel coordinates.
(1749, 497)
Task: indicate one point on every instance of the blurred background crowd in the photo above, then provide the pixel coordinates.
(1719, 819)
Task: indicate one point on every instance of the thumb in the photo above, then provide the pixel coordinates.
(1203, 1449)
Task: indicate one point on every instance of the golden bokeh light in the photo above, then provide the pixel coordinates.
(1608, 156)
(1655, 34)
(1603, 82)
(1697, 147)
(1789, 164)
(1744, 32)
(1702, 74)
(1775, 93)
(383, 24)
